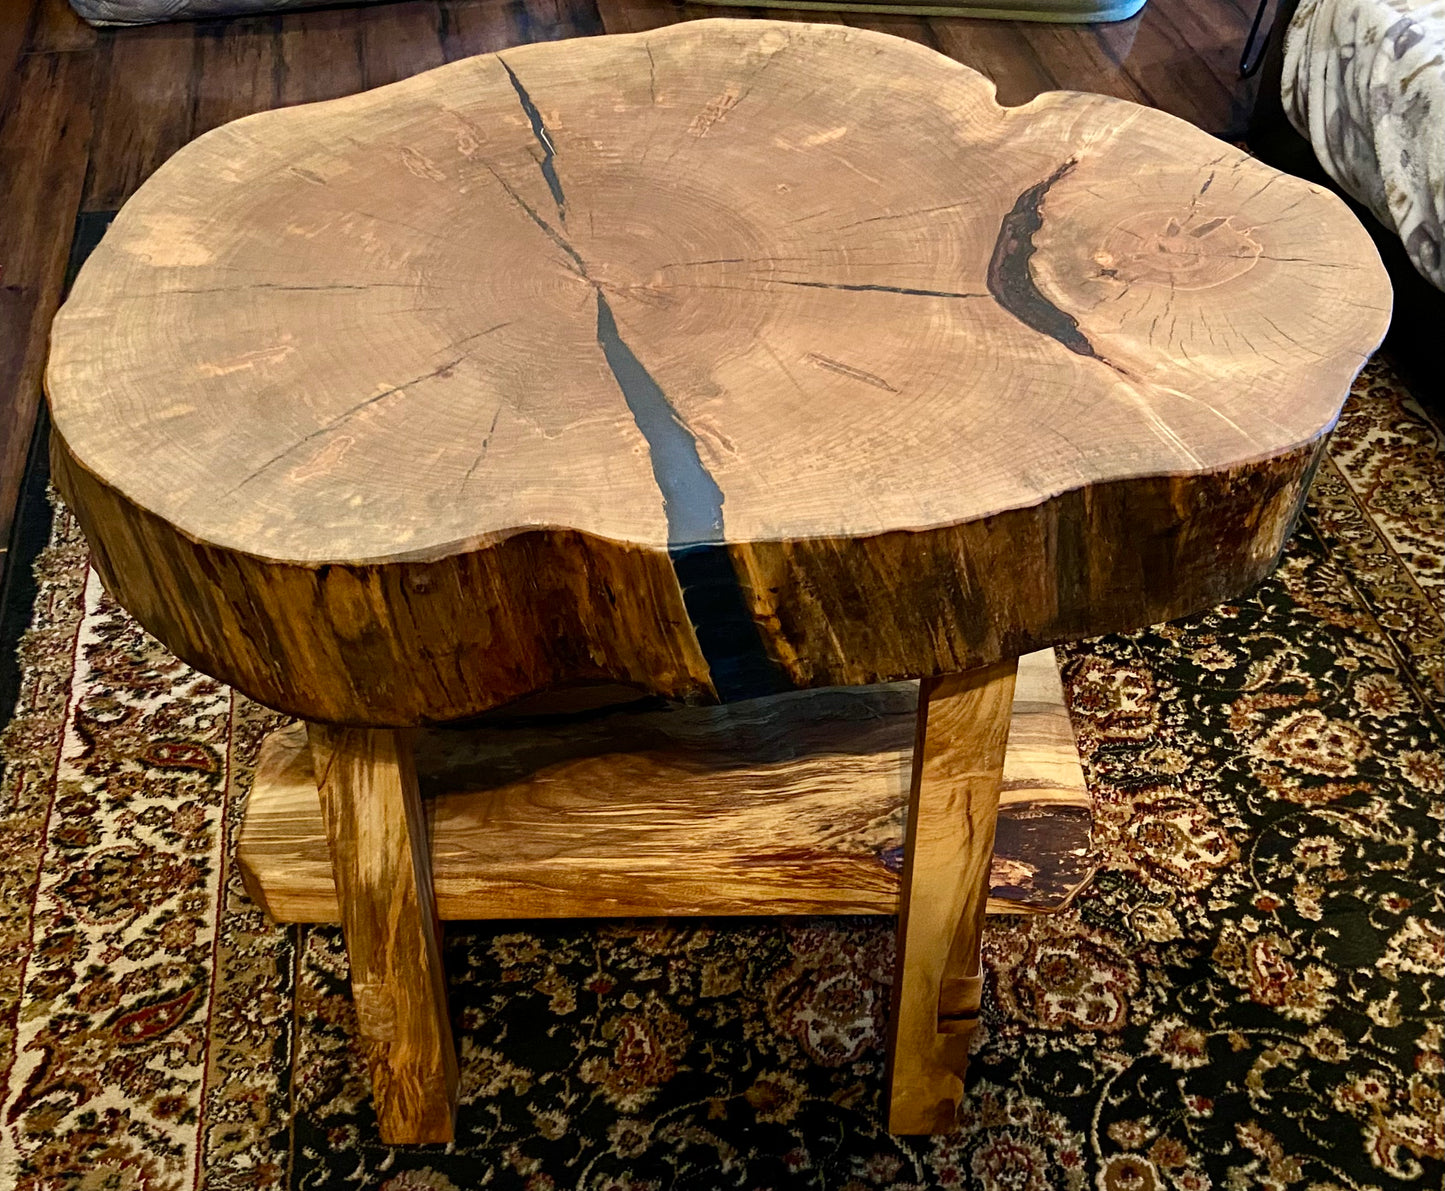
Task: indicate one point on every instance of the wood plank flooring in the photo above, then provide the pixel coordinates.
(87, 114)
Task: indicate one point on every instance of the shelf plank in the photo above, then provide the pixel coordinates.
(789, 805)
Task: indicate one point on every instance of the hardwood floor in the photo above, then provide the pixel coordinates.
(86, 114)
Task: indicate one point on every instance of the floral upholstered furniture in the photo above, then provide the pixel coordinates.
(1364, 81)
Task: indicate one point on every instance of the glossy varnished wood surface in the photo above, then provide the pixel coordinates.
(794, 804)
(378, 843)
(958, 764)
(86, 114)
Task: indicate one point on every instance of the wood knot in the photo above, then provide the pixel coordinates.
(1197, 250)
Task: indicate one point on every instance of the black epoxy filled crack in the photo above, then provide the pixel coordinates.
(693, 505)
(881, 289)
(539, 130)
(690, 496)
(1010, 281)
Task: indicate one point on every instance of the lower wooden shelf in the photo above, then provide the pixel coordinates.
(788, 805)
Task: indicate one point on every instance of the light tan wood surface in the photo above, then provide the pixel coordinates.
(1180, 54)
(794, 804)
(369, 798)
(720, 359)
(717, 361)
(958, 762)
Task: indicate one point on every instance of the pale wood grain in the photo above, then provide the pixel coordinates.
(963, 726)
(377, 836)
(794, 804)
(341, 374)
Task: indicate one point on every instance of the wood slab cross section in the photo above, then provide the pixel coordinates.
(719, 361)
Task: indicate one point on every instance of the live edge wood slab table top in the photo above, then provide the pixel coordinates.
(720, 361)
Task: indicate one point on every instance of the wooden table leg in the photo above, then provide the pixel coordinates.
(379, 855)
(962, 734)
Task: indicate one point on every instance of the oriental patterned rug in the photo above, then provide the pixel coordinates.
(1248, 996)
